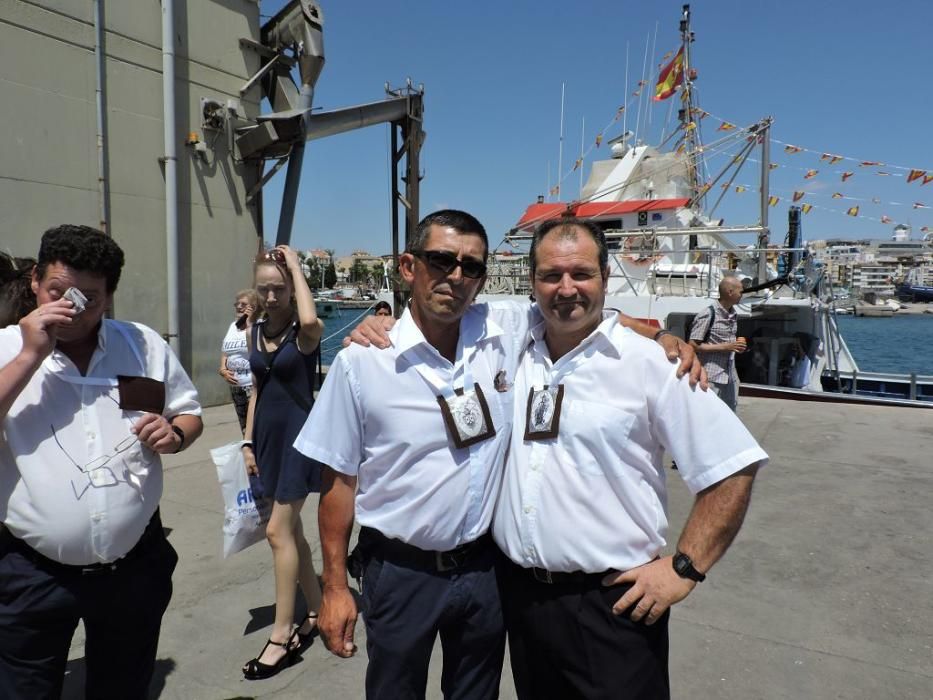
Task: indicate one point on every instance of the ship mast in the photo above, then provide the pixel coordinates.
(686, 114)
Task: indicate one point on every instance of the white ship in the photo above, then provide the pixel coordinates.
(667, 258)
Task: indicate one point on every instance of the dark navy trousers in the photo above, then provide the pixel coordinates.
(405, 608)
(566, 644)
(41, 603)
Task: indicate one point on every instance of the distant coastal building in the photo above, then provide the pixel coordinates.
(873, 265)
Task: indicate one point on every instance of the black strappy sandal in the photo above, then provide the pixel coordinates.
(255, 670)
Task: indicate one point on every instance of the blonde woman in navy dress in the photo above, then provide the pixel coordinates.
(284, 348)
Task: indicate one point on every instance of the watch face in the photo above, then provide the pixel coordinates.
(681, 564)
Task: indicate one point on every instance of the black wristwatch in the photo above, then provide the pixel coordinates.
(181, 434)
(683, 565)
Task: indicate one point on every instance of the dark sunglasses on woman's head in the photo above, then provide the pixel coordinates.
(448, 262)
(276, 256)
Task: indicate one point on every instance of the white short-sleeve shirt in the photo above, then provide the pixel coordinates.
(377, 418)
(74, 484)
(594, 497)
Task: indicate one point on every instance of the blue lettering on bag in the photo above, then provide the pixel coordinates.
(244, 496)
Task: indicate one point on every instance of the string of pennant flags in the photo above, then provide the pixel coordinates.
(806, 207)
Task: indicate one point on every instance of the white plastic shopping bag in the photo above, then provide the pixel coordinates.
(245, 518)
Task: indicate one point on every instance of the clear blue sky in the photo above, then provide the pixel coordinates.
(847, 78)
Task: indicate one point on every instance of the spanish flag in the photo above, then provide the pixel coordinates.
(852, 211)
(915, 175)
(726, 126)
(670, 77)
(927, 179)
(810, 174)
(805, 208)
(846, 175)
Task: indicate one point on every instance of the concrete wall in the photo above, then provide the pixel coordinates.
(48, 153)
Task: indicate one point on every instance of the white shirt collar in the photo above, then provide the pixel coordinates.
(475, 326)
(602, 336)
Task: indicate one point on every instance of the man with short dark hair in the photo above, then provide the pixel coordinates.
(87, 405)
(581, 515)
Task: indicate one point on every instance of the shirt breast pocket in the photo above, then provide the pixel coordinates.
(594, 435)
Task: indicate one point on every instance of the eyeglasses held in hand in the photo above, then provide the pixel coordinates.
(448, 262)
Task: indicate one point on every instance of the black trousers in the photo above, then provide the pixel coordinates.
(405, 608)
(565, 643)
(42, 601)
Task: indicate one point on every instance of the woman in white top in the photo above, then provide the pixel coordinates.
(234, 356)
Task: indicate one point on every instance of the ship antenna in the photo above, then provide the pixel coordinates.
(691, 136)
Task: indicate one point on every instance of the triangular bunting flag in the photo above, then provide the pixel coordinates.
(915, 175)
(920, 205)
(577, 163)
(792, 149)
(837, 195)
(834, 160)
(810, 174)
(726, 126)
(852, 211)
(773, 166)
(869, 163)
(846, 175)
(599, 140)
(772, 201)
(740, 188)
(798, 196)
(885, 220)
(805, 208)
(927, 179)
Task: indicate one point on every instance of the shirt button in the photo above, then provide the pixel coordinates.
(90, 435)
(96, 517)
(528, 509)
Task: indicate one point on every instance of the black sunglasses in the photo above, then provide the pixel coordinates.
(448, 262)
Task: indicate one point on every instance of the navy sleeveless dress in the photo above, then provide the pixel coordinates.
(284, 384)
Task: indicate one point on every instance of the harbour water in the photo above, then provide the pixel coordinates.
(898, 344)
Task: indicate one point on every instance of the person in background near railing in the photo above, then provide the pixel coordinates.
(16, 296)
(713, 337)
(284, 347)
(382, 308)
(234, 356)
(87, 406)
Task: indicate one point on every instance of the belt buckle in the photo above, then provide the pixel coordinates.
(541, 575)
(445, 561)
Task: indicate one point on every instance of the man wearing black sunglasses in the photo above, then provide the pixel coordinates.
(413, 438)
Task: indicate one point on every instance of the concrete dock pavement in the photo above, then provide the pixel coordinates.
(826, 593)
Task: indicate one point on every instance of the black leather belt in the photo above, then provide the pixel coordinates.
(577, 578)
(374, 543)
(10, 543)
